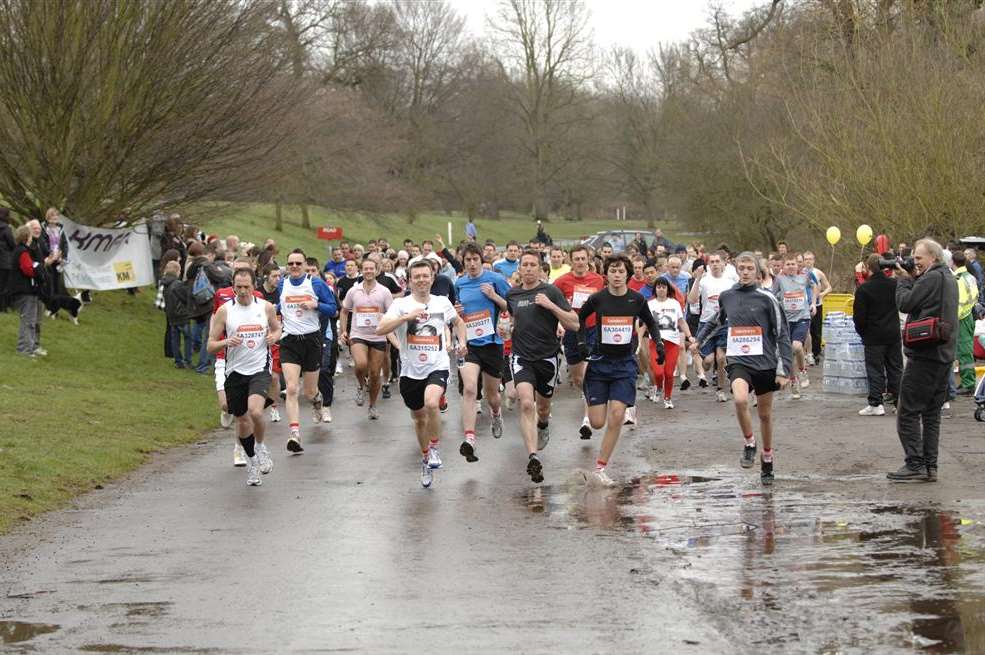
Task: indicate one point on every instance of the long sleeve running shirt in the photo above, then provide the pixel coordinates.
(615, 326)
(758, 336)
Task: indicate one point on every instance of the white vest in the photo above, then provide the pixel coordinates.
(295, 319)
(249, 322)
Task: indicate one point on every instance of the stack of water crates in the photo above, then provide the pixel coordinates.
(844, 356)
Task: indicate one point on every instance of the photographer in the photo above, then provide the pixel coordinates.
(928, 293)
(877, 322)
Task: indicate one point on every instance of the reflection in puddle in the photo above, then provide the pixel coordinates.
(828, 573)
(15, 632)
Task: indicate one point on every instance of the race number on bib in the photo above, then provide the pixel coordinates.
(744, 341)
(424, 348)
(478, 325)
(793, 301)
(367, 317)
(580, 295)
(252, 335)
(617, 330)
(292, 304)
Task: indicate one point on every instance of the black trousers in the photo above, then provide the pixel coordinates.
(883, 368)
(923, 391)
(816, 333)
(326, 375)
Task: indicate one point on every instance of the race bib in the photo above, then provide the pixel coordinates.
(580, 295)
(478, 325)
(367, 317)
(793, 301)
(617, 330)
(744, 341)
(424, 348)
(292, 304)
(252, 336)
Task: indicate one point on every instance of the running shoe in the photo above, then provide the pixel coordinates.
(810, 359)
(360, 396)
(373, 413)
(386, 391)
(40, 352)
(748, 457)
(685, 384)
(508, 403)
(599, 478)
(263, 457)
(668, 403)
(586, 429)
(443, 405)
(543, 437)
(239, 455)
(703, 383)
(326, 415)
(434, 457)
(535, 469)
(274, 415)
(426, 476)
(467, 450)
(653, 395)
(497, 426)
(642, 384)
(316, 405)
(766, 473)
(869, 410)
(720, 396)
(226, 419)
(804, 380)
(630, 418)
(253, 472)
(294, 444)
(338, 369)
(795, 389)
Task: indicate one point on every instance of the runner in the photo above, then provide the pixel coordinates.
(271, 280)
(366, 302)
(421, 322)
(707, 289)
(796, 293)
(302, 299)
(577, 286)
(482, 295)
(253, 326)
(610, 378)
(536, 309)
(758, 352)
(823, 289)
(669, 316)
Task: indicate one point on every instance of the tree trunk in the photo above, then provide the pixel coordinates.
(279, 215)
(305, 218)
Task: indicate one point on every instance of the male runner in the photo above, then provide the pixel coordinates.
(366, 302)
(302, 299)
(270, 276)
(421, 322)
(706, 290)
(797, 294)
(536, 309)
(758, 352)
(508, 265)
(558, 267)
(577, 286)
(250, 326)
(482, 296)
(610, 378)
(824, 288)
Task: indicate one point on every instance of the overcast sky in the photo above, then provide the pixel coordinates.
(640, 24)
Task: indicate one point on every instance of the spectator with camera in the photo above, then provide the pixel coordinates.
(928, 293)
(877, 322)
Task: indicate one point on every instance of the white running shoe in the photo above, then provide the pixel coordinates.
(599, 478)
(226, 419)
(338, 368)
(720, 396)
(810, 359)
(253, 472)
(274, 415)
(630, 418)
(426, 476)
(360, 396)
(263, 457)
(239, 455)
(946, 405)
(585, 431)
(434, 458)
(804, 380)
(795, 389)
(497, 425)
(543, 437)
(642, 384)
(869, 410)
(373, 413)
(326, 415)
(668, 403)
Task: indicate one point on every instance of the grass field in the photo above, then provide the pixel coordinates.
(95, 408)
(255, 223)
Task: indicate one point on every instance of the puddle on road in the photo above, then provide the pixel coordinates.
(811, 572)
(16, 632)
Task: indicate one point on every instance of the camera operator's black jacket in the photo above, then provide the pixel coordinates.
(935, 293)
(874, 311)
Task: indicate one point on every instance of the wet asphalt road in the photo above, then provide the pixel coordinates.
(341, 549)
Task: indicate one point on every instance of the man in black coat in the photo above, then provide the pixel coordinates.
(877, 322)
(7, 247)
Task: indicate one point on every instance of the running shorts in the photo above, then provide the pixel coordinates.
(303, 350)
(762, 382)
(412, 390)
(240, 387)
(611, 379)
(799, 330)
(489, 358)
(570, 343)
(375, 345)
(541, 373)
(718, 340)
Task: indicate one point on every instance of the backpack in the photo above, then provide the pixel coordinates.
(202, 290)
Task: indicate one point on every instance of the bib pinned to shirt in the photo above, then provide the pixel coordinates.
(617, 330)
(744, 341)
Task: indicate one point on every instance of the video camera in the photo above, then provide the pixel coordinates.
(890, 260)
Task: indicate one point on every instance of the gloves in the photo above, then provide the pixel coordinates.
(660, 351)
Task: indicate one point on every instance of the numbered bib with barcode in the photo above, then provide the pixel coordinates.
(424, 348)
(292, 304)
(744, 341)
(367, 317)
(478, 325)
(794, 301)
(617, 330)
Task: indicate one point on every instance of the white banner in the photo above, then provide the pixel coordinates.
(103, 258)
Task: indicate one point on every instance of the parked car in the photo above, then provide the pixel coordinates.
(619, 239)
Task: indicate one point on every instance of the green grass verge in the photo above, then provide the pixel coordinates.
(103, 400)
(255, 223)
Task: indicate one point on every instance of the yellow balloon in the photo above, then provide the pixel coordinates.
(863, 234)
(833, 235)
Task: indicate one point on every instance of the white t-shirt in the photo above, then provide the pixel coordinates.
(731, 273)
(667, 313)
(249, 322)
(423, 345)
(711, 287)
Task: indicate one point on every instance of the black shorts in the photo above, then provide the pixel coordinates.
(762, 382)
(541, 373)
(240, 387)
(412, 390)
(375, 345)
(489, 358)
(303, 350)
(507, 375)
